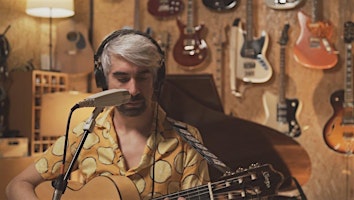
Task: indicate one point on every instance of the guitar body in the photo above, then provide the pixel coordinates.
(339, 136)
(165, 8)
(283, 118)
(278, 5)
(220, 5)
(190, 50)
(102, 187)
(255, 68)
(254, 182)
(313, 48)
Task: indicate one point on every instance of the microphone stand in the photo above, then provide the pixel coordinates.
(61, 182)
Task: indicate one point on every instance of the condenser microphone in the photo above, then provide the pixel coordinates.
(111, 97)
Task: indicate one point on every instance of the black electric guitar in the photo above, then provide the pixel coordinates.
(220, 5)
(256, 182)
(339, 130)
(282, 4)
(190, 50)
(281, 113)
(165, 8)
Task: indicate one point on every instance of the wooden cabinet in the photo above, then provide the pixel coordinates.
(25, 96)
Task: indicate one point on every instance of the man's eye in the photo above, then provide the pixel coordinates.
(123, 80)
(141, 78)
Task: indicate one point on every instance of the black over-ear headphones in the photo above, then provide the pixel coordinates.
(99, 74)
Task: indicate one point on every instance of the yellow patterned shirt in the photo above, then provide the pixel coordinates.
(176, 164)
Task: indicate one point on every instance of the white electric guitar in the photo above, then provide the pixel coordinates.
(282, 4)
(280, 112)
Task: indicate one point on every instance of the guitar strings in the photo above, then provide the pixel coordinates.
(204, 190)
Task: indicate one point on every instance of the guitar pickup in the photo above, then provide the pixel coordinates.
(314, 42)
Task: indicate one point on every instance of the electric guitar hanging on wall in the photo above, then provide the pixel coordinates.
(339, 130)
(258, 181)
(165, 8)
(247, 54)
(282, 4)
(190, 50)
(220, 5)
(313, 48)
(281, 114)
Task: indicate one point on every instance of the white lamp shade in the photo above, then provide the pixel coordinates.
(50, 8)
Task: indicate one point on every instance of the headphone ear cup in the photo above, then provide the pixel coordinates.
(100, 78)
(160, 78)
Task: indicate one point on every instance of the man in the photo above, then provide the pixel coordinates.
(135, 139)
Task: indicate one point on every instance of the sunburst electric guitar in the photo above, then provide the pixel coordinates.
(339, 130)
(247, 54)
(313, 48)
(258, 181)
(190, 50)
(281, 112)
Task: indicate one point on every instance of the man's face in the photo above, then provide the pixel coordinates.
(138, 80)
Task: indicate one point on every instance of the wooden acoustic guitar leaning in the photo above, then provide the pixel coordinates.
(313, 48)
(73, 52)
(339, 130)
(248, 60)
(190, 50)
(281, 112)
(282, 4)
(165, 8)
(220, 5)
(255, 182)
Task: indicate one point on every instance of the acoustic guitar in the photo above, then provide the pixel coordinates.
(313, 48)
(73, 52)
(282, 4)
(339, 130)
(220, 5)
(190, 50)
(248, 60)
(258, 181)
(165, 8)
(281, 113)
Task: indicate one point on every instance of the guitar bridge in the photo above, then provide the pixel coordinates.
(348, 135)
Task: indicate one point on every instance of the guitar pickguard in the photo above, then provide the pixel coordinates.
(282, 117)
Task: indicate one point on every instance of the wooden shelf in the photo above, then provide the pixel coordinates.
(25, 97)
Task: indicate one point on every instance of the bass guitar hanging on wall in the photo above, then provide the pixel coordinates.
(247, 54)
(339, 130)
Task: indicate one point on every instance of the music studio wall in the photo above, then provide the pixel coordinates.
(278, 64)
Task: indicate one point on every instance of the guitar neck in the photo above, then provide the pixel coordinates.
(316, 11)
(249, 20)
(348, 90)
(282, 75)
(190, 19)
(137, 15)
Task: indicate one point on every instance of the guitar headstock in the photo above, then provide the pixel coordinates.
(284, 35)
(254, 182)
(348, 32)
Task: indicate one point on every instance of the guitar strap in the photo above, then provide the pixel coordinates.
(199, 147)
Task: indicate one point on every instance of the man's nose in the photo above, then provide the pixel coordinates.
(133, 87)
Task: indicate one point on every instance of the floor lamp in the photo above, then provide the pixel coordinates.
(50, 9)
